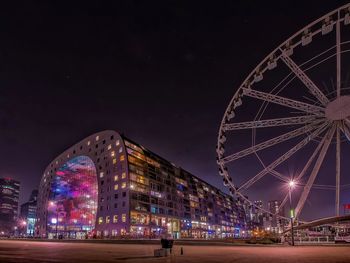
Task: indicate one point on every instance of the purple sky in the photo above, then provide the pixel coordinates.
(162, 73)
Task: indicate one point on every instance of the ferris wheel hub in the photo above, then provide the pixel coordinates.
(338, 109)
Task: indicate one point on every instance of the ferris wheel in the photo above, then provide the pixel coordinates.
(289, 121)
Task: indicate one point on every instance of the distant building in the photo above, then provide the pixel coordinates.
(258, 213)
(28, 214)
(9, 195)
(275, 209)
(107, 185)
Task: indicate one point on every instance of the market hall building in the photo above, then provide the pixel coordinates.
(108, 186)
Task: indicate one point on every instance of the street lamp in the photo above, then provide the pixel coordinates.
(55, 220)
(291, 185)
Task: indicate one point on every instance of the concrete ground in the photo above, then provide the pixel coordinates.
(32, 251)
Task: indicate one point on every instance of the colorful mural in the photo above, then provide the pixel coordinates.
(73, 199)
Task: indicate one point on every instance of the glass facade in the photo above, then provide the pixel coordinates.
(167, 200)
(72, 204)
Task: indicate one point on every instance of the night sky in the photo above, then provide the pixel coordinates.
(161, 72)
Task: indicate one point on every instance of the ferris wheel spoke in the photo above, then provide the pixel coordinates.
(278, 175)
(271, 142)
(269, 123)
(282, 158)
(311, 159)
(305, 79)
(338, 58)
(302, 106)
(337, 171)
(315, 171)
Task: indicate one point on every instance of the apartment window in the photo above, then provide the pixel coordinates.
(97, 138)
(124, 194)
(117, 142)
(123, 185)
(122, 157)
(116, 196)
(88, 143)
(115, 219)
(123, 218)
(123, 204)
(109, 147)
(101, 174)
(112, 153)
(116, 177)
(123, 175)
(115, 205)
(116, 186)
(114, 161)
(107, 219)
(120, 150)
(100, 220)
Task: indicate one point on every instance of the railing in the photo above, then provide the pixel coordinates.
(315, 240)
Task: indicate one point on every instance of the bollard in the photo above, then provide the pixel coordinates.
(182, 251)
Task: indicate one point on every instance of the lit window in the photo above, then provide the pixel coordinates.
(97, 138)
(117, 143)
(115, 219)
(122, 157)
(120, 150)
(100, 220)
(107, 219)
(123, 175)
(114, 161)
(124, 218)
(101, 174)
(112, 153)
(116, 178)
(124, 185)
(88, 143)
(109, 147)
(116, 186)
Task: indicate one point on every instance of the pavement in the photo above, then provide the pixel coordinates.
(32, 251)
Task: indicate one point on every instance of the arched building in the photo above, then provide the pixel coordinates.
(107, 185)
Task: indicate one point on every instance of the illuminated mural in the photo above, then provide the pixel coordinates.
(72, 204)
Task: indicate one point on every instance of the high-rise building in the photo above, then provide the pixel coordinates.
(9, 195)
(258, 213)
(108, 185)
(275, 209)
(28, 214)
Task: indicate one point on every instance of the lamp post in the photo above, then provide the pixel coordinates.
(291, 185)
(57, 220)
(53, 204)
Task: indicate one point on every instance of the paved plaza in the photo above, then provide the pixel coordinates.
(31, 251)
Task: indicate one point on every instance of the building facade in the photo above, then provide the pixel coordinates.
(28, 214)
(108, 186)
(9, 195)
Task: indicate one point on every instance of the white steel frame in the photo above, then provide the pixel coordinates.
(311, 120)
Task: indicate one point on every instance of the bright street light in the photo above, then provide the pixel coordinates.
(291, 183)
